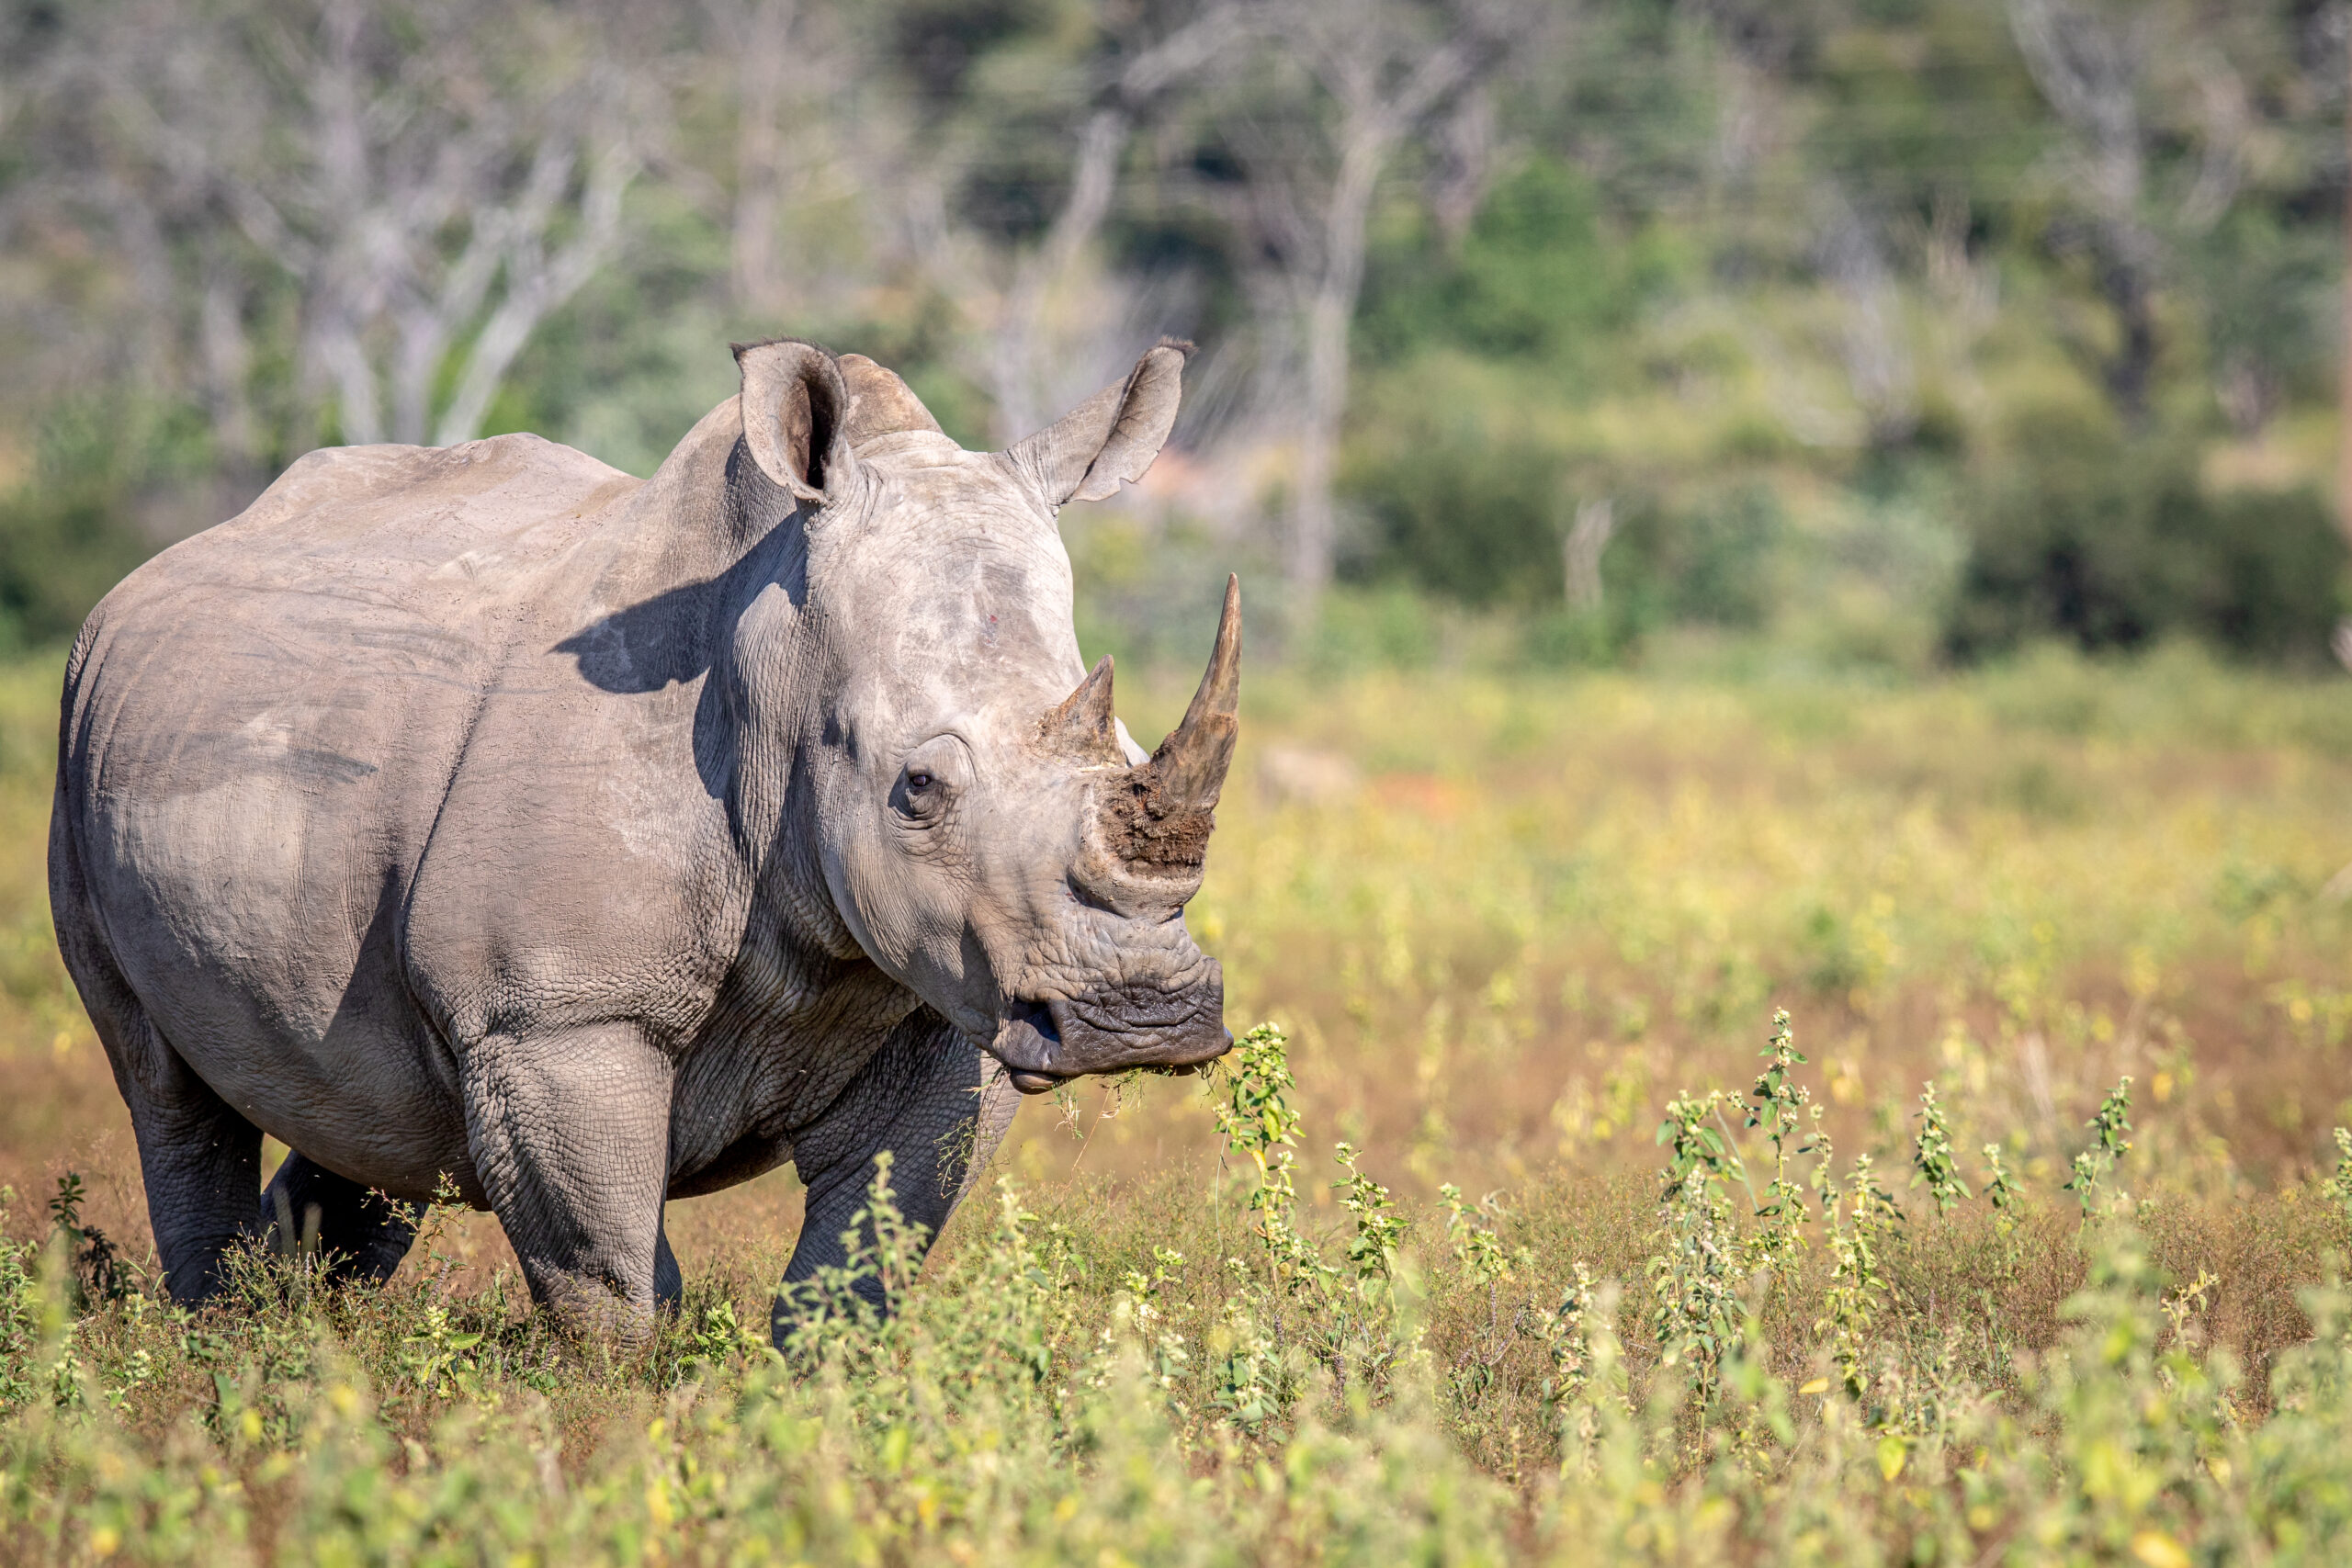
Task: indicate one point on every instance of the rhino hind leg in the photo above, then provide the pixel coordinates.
(669, 1281)
(938, 1104)
(362, 1233)
(199, 1160)
(201, 1163)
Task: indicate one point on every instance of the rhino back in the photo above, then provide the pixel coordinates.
(260, 727)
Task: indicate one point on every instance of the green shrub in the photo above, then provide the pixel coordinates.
(1456, 512)
(2114, 544)
(1534, 277)
(1711, 560)
(62, 547)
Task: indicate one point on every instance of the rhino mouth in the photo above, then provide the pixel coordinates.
(1042, 1043)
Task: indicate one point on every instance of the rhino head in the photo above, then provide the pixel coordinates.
(986, 831)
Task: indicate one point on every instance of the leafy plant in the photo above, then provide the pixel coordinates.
(1778, 1107)
(99, 1270)
(1695, 1272)
(1933, 1162)
(1859, 1219)
(2110, 1141)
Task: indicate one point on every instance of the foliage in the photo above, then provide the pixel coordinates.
(100, 1272)
(1695, 1274)
(1026, 1405)
(65, 538)
(1777, 1106)
(1932, 1160)
(2110, 1143)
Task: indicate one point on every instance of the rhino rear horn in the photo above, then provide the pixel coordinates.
(795, 406)
(1113, 436)
(1191, 762)
(1085, 723)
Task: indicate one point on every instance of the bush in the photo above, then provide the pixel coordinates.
(1709, 562)
(1787, 1362)
(2115, 545)
(1457, 512)
(61, 549)
(1537, 275)
(1480, 522)
(2277, 561)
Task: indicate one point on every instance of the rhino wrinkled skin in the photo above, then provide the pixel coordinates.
(487, 813)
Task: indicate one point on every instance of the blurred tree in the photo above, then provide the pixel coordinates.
(770, 45)
(1131, 72)
(1772, 286)
(2113, 542)
(2171, 112)
(2269, 293)
(432, 181)
(1356, 80)
(992, 182)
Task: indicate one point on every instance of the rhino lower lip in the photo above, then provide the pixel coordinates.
(1036, 1053)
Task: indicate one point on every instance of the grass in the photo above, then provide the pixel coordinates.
(1510, 927)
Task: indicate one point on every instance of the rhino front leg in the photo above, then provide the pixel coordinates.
(570, 1140)
(937, 1103)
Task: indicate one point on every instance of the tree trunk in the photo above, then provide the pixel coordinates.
(2344, 370)
(761, 68)
(1016, 370)
(1330, 311)
(2132, 366)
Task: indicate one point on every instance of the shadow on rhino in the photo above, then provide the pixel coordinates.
(484, 811)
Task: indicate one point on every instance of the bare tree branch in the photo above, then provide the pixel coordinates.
(1383, 70)
(2088, 71)
(1870, 342)
(538, 283)
(408, 167)
(763, 39)
(1015, 371)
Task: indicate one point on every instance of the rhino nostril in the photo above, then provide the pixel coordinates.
(1037, 1016)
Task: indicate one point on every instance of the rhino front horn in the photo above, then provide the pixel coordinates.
(1190, 763)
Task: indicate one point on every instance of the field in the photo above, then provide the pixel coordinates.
(1554, 1299)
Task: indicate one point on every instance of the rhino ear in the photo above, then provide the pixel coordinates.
(1111, 438)
(794, 402)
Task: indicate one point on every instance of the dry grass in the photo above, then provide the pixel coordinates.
(1522, 914)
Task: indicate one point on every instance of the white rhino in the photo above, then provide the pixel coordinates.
(595, 842)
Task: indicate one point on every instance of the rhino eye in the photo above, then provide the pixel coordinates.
(925, 792)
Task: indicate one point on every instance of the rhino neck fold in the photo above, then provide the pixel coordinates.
(704, 580)
(765, 723)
